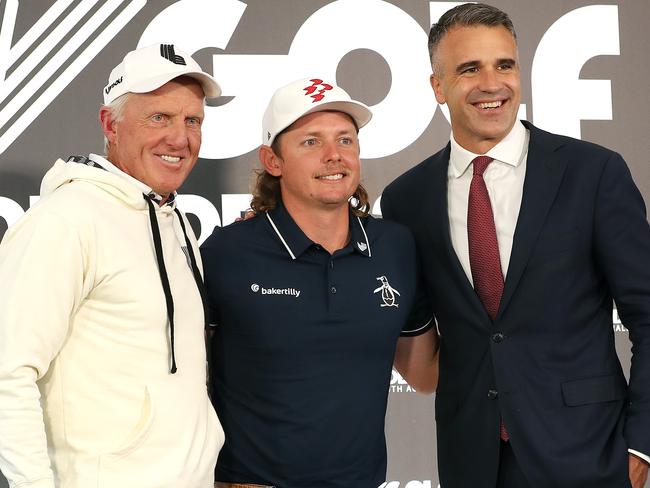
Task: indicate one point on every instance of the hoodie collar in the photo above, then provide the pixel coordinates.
(97, 161)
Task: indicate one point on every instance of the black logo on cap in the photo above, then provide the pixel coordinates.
(113, 85)
(167, 52)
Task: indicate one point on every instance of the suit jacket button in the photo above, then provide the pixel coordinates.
(492, 394)
(498, 337)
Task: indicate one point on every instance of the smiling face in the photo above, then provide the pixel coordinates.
(157, 140)
(478, 79)
(318, 162)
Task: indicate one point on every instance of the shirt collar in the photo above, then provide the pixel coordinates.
(111, 168)
(296, 242)
(358, 236)
(511, 150)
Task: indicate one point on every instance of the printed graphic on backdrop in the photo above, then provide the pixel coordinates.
(37, 72)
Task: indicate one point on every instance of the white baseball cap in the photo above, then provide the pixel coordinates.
(307, 96)
(148, 68)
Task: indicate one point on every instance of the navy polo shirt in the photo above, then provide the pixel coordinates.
(303, 348)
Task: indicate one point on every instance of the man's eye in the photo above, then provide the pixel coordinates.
(194, 121)
(470, 70)
(346, 141)
(158, 117)
(505, 66)
(310, 142)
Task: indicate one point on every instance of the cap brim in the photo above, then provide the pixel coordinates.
(211, 88)
(357, 110)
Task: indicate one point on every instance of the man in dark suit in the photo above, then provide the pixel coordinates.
(531, 391)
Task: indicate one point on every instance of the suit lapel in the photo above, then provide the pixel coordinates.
(437, 198)
(544, 173)
(439, 222)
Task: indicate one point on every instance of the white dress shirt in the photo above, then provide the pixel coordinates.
(504, 178)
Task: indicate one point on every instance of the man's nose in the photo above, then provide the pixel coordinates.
(332, 151)
(177, 134)
(488, 80)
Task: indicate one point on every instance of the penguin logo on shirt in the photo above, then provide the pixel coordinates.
(387, 293)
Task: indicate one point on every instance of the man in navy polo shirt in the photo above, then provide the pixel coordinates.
(309, 299)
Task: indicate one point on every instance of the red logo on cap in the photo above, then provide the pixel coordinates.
(320, 94)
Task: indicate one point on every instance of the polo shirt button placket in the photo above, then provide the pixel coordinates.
(330, 265)
(331, 283)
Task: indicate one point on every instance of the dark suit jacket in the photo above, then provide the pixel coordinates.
(548, 363)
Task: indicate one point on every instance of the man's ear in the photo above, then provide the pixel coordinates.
(270, 161)
(437, 88)
(108, 124)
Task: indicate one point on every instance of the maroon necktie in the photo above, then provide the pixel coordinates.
(483, 246)
(482, 238)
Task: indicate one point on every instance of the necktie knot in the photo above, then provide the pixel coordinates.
(480, 164)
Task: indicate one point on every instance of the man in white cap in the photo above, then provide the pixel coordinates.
(309, 299)
(101, 301)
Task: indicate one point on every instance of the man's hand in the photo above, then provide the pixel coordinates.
(638, 471)
(246, 214)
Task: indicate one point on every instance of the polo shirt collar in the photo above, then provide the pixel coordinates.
(296, 242)
(509, 151)
(358, 237)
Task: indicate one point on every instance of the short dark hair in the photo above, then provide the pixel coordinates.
(468, 14)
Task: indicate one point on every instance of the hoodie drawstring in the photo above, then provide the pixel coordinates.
(195, 271)
(157, 242)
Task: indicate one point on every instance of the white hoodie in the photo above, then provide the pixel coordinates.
(83, 325)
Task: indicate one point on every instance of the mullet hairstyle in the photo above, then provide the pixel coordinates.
(466, 15)
(267, 194)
